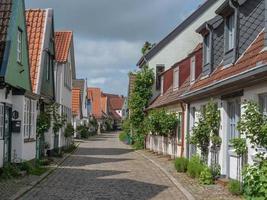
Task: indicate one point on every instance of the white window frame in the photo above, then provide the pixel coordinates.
(230, 32)
(263, 103)
(176, 73)
(29, 119)
(161, 85)
(192, 69)
(207, 49)
(19, 45)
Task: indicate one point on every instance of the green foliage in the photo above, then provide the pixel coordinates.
(207, 129)
(43, 123)
(139, 100)
(215, 170)
(84, 131)
(162, 123)
(201, 136)
(239, 145)
(147, 47)
(253, 125)
(123, 136)
(255, 181)
(205, 177)
(234, 187)
(195, 167)
(181, 164)
(9, 171)
(59, 120)
(69, 130)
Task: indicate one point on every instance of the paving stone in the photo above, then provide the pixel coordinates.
(104, 168)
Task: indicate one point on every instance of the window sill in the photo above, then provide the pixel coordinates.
(29, 140)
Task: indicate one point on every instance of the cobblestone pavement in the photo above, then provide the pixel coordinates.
(105, 169)
(211, 192)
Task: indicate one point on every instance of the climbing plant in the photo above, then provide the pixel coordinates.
(43, 123)
(162, 123)
(59, 120)
(139, 100)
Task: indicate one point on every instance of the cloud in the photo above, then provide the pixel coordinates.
(109, 33)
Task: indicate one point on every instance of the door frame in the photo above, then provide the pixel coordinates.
(236, 101)
(9, 108)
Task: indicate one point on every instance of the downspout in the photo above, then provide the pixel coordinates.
(236, 13)
(187, 130)
(183, 129)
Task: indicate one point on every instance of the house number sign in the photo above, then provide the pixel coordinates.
(15, 114)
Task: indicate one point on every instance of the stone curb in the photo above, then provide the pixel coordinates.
(186, 193)
(26, 189)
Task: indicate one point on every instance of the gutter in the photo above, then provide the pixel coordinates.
(251, 72)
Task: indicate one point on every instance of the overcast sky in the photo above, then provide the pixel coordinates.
(109, 34)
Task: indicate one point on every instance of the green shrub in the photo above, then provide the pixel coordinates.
(194, 167)
(69, 130)
(205, 177)
(25, 166)
(234, 187)
(10, 171)
(255, 181)
(123, 136)
(181, 164)
(38, 171)
(84, 131)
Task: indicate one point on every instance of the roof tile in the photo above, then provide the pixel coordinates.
(63, 43)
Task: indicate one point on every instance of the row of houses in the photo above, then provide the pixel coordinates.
(38, 72)
(218, 52)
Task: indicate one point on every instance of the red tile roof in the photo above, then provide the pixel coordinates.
(35, 20)
(76, 101)
(63, 41)
(104, 101)
(252, 56)
(5, 13)
(96, 101)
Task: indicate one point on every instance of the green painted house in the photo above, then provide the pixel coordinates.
(17, 102)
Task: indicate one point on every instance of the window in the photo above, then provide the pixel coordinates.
(176, 78)
(1, 121)
(29, 118)
(263, 103)
(206, 49)
(159, 70)
(161, 85)
(192, 70)
(230, 29)
(19, 45)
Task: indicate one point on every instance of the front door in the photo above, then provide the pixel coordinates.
(7, 133)
(234, 107)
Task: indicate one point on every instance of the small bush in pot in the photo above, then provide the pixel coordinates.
(181, 164)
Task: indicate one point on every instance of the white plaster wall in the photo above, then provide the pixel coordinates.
(184, 43)
(252, 93)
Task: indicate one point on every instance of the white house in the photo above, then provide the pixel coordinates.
(64, 74)
(178, 43)
(234, 71)
(17, 103)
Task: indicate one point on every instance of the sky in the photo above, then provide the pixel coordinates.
(109, 34)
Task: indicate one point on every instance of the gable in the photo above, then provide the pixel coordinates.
(16, 73)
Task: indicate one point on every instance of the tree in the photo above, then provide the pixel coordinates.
(139, 100)
(147, 47)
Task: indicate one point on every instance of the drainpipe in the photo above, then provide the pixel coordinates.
(234, 4)
(183, 130)
(187, 130)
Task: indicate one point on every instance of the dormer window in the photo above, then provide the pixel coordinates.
(207, 49)
(19, 45)
(176, 79)
(161, 85)
(192, 69)
(230, 33)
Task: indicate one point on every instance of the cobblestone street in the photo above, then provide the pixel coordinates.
(104, 168)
